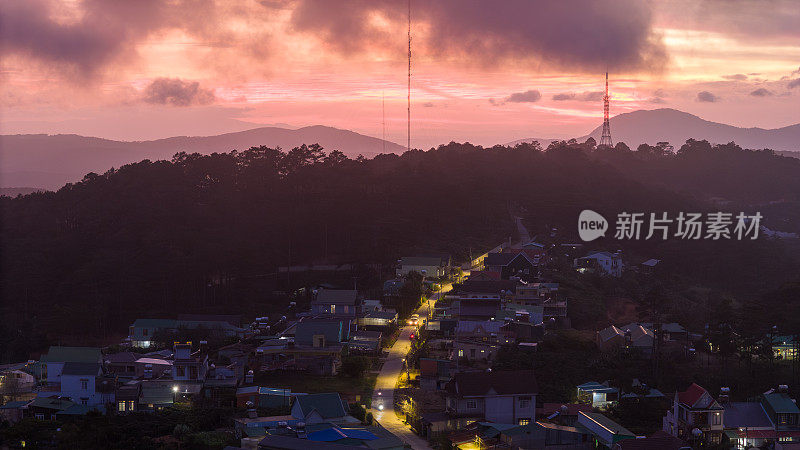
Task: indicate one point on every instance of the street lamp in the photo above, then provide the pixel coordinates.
(175, 390)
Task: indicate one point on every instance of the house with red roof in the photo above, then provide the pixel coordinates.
(695, 416)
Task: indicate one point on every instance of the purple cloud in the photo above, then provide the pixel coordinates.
(176, 92)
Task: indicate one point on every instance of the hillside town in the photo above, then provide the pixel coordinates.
(446, 356)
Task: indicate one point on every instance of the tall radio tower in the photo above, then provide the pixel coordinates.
(409, 75)
(605, 139)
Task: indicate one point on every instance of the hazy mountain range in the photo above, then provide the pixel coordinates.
(50, 161)
(676, 127)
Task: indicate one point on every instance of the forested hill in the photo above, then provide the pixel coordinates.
(204, 232)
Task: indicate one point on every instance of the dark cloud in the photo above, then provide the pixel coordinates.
(107, 33)
(706, 97)
(593, 96)
(530, 96)
(427, 105)
(735, 77)
(761, 92)
(656, 100)
(794, 83)
(176, 92)
(578, 34)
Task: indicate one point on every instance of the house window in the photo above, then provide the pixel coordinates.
(84, 401)
(52, 417)
(84, 384)
(39, 416)
(524, 402)
(461, 353)
(345, 309)
(333, 309)
(181, 371)
(121, 406)
(130, 405)
(472, 404)
(716, 419)
(145, 331)
(524, 422)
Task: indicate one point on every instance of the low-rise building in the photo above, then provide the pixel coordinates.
(605, 263)
(604, 430)
(693, 409)
(507, 397)
(336, 302)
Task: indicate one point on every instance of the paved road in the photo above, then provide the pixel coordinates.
(391, 370)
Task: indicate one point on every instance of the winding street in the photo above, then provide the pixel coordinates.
(392, 369)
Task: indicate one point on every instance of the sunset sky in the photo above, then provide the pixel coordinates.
(484, 71)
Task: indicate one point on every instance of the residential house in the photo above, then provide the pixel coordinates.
(522, 313)
(610, 338)
(475, 309)
(321, 332)
(693, 409)
(428, 266)
(16, 385)
(785, 347)
(127, 396)
(264, 397)
(377, 320)
(336, 302)
(13, 412)
(475, 350)
(604, 430)
(544, 435)
(562, 413)
(121, 364)
(507, 397)
(52, 363)
(598, 395)
(141, 332)
(49, 408)
(659, 440)
(152, 368)
(317, 408)
(85, 385)
(434, 373)
(509, 265)
(649, 267)
(391, 289)
(479, 330)
(600, 262)
(545, 295)
(631, 336)
(234, 320)
(521, 331)
(365, 342)
(189, 366)
(157, 395)
(371, 305)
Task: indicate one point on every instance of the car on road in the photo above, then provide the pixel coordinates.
(413, 320)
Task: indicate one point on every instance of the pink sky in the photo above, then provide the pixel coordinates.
(151, 69)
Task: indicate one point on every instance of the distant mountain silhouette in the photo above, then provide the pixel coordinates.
(675, 127)
(50, 161)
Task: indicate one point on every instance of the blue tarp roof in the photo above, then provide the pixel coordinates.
(335, 434)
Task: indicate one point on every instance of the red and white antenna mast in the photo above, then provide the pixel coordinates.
(605, 138)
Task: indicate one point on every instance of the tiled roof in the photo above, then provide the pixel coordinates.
(72, 354)
(781, 403)
(746, 415)
(691, 395)
(474, 384)
(155, 323)
(77, 368)
(660, 440)
(337, 296)
(328, 405)
(421, 261)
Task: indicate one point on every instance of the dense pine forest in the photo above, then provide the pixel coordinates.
(208, 233)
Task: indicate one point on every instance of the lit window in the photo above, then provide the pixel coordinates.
(121, 406)
(524, 422)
